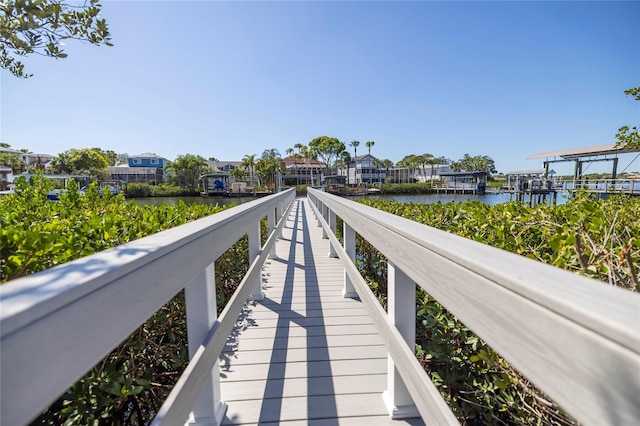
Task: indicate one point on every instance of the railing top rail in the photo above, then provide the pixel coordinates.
(26, 299)
(560, 329)
(97, 301)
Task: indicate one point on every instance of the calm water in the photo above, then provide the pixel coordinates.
(490, 199)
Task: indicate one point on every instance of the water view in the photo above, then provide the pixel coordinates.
(490, 199)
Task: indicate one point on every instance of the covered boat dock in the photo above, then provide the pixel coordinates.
(580, 156)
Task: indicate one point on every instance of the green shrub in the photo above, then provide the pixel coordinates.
(406, 188)
(592, 237)
(141, 190)
(128, 385)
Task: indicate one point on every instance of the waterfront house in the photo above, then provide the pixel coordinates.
(303, 171)
(39, 161)
(365, 170)
(147, 167)
(224, 166)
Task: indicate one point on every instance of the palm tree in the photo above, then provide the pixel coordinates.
(424, 160)
(369, 144)
(250, 162)
(289, 151)
(345, 158)
(378, 163)
(272, 161)
(187, 169)
(355, 144)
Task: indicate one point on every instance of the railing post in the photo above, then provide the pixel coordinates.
(254, 252)
(332, 226)
(318, 213)
(401, 302)
(325, 216)
(272, 217)
(280, 214)
(349, 236)
(200, 300)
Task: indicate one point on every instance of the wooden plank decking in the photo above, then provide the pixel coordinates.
(304, 354)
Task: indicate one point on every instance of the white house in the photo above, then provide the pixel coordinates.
(365, 170)
(29, 158)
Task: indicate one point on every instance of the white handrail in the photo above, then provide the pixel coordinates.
(429, 403)
(576, 338)
(95, 302)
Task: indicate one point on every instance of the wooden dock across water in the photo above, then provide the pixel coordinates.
(305, 354)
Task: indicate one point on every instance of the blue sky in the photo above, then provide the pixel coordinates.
(226, 79)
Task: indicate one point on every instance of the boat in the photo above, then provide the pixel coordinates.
(114, 186)
(214, 184)
(62, 181)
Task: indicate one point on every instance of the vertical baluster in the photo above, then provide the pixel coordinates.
(200, 300)
(318, 213)
(332, 226)
(349, 236)
(325, 216)
(401, 302)
(271, 220)
(280, 212)
(254, 252)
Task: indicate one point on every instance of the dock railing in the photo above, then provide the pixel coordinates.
(575, 338)
(605, 186)
(57, 324)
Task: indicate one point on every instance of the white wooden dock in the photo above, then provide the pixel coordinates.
(305, 354)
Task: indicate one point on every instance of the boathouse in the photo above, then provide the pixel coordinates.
(474, 182)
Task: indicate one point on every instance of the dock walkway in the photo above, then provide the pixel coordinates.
(305, 354)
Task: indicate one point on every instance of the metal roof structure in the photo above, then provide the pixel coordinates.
(525, 172)
(577, 153)
(589, 154)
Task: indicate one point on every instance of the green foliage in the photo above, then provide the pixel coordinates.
(589, 236)
(128, 385)
(239, 174)
(481, 163)
(142, 190)
(89, 161)
(592, 237)
(249, 162)
(139, 190)
(406, 188)
(39, 26)
(326, 149)
(186, 169)
(267, 166)
(301, 190)
(12, 161)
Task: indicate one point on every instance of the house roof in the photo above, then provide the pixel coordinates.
(590, 151)
(360, 157)
(147, 155)
(302, 161)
